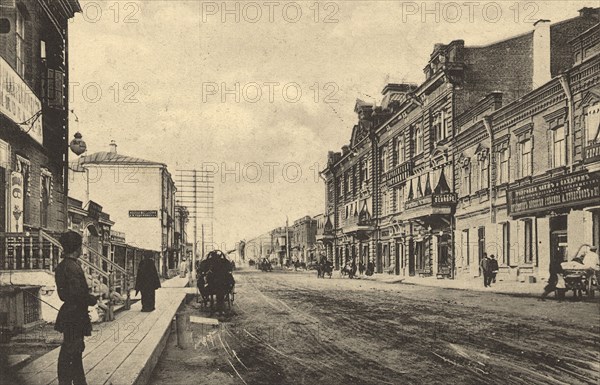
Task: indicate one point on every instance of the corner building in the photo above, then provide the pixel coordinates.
(398, 195)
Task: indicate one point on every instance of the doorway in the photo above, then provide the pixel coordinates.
(3, 189)
(558, 239)
(411, 258)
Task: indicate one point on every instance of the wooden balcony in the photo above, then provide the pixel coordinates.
(591, 156)
(434, 204)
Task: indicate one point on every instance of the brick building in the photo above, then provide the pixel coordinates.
(34, 114)
(393, 193)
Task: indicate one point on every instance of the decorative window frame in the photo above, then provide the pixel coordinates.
(44, 172)
(22, 164)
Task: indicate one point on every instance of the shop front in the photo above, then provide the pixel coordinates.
(564, 214)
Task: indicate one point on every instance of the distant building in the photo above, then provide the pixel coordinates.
(303, 240)
(259, 247)
(139, 194)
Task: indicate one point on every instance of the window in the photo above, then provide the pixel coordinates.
(559, 147)
(526, 158)
(465, 246)
(528, 241)
(419, 140)
(506, 243)
(481, 242)
(45, 196)
(341, 186)
(440, 130)
(400, 150)
(503, 160)
(20, 34)
(484, 166)
(592, 124)
(42, 50)
(385, 203)
(400, 199)
(466, 180)
(384, 160)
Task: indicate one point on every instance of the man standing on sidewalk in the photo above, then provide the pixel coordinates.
(73, 319)
(485, 270)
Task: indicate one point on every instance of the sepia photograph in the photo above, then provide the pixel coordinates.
(299, 192)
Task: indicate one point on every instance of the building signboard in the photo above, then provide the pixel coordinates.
(16, 201)
(143, 213)
(563, 192)
(19, 103)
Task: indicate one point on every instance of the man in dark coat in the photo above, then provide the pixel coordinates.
(72, 319)
(147, 281)
(493, 268)
(485, 270)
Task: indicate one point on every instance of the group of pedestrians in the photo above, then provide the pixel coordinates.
(489, 269)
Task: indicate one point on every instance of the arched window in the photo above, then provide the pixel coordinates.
(419, 140)
(400, 156)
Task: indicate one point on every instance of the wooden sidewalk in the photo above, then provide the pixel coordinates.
(121, 352)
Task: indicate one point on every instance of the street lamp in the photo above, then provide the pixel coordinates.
(77, 145)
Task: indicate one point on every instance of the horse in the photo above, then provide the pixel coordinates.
(324, 268)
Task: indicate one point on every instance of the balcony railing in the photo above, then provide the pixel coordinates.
(592, 152)
(434, 200)
(399, 173)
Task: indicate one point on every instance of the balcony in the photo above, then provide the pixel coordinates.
(592, 155)
(434, 204)
(398, 174)
(357, 224)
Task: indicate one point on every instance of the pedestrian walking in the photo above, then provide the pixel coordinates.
(147, 282)
(361, 267)
(556, 282)
(493, 269)
(72, 319)
(183, 268)
(485, 270)
(370, 268)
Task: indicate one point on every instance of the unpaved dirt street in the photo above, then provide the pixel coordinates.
(292, 328)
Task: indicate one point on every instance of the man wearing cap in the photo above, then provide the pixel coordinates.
(72, 319)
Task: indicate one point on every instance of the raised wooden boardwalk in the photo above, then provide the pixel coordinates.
(121, 352)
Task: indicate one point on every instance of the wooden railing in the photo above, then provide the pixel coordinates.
(28, 251)
(38, 250)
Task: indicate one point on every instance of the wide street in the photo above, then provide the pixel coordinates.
(293, 328)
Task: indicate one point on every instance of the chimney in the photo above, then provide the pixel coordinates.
(541, 53)
(589, 12)
(113, 146)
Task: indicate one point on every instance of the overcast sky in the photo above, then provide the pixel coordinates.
(163, 68)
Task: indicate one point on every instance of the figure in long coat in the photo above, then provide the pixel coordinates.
(147, 281)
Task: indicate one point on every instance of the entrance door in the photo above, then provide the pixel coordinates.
(558, 239)
(444, 255)
(399, 258)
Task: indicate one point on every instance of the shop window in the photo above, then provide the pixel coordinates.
(528, 240)
(559, 147)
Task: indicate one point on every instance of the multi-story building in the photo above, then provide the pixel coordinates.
(34, 115)
(259, 247)
(533, 195)
(392, 195)
(281, 238)
(303, 239)
(117, 181)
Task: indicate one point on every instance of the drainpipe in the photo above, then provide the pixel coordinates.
(487, 122)
(564, 82)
